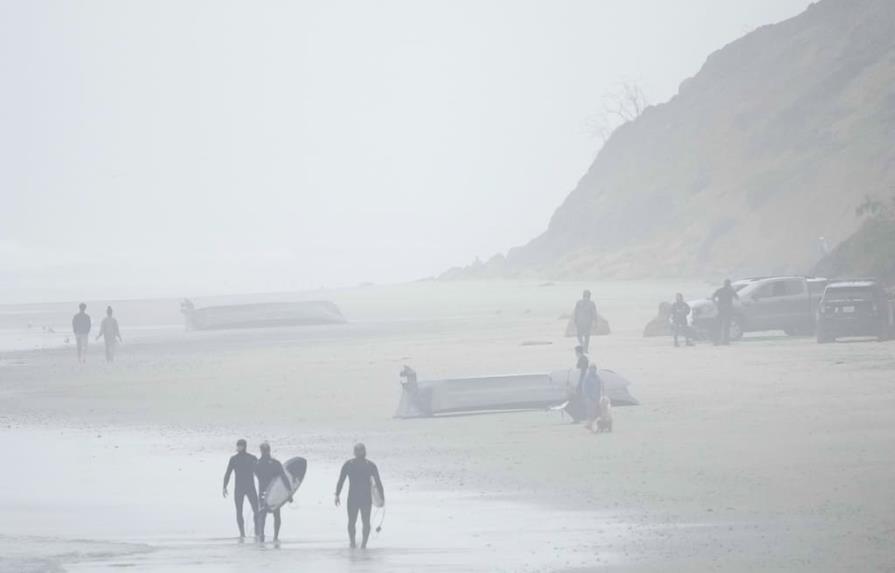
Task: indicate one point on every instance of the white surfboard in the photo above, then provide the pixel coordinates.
(376, 494)
(277, 494)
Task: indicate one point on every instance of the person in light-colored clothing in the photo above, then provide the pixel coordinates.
(109, 332)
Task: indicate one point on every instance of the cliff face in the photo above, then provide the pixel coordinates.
(769, 147)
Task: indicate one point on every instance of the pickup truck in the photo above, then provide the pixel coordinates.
(787, 303)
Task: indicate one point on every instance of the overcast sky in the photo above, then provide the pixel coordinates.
(187, 147)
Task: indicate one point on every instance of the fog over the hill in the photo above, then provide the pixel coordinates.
(175, 148)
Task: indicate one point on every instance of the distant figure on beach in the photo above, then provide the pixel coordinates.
(108, 331)
(243, 465)
(724, 298)
(581, 363)
(593, 391)
(576, 407)
(362, 476)
(268, 469)
(80, 325)
(585, 315)
(680, 310)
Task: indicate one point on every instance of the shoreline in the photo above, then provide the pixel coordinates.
(730, 460)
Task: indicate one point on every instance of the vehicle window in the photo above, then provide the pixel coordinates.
(795, 286)
(764, 291)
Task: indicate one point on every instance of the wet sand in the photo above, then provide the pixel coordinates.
(772, 454)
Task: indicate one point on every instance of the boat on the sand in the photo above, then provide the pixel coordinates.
(261, 315)
(555, 390)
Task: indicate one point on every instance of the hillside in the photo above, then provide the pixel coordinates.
(768, 148)
(870, 252)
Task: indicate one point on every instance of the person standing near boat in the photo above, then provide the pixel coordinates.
(108, 331)
(593, 391)
(80, 325)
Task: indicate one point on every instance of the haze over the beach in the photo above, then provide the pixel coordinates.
(182, 148)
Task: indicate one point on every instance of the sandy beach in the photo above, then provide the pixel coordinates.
(772, 454)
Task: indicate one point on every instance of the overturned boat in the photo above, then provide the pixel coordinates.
(557, 389)
(261, 315)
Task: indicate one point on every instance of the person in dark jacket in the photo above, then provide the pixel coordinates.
(723, 299)
(80, 325)
(268, 469)
(680, 310)
(242, 464)
(362, 475)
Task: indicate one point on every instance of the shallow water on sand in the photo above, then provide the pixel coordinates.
(113, 499)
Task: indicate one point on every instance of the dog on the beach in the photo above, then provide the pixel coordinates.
(604, 421)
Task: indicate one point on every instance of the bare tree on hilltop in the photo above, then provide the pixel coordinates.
(620, 106)
(875, 208)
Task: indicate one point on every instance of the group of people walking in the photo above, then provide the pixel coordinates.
(361, 473)
(108, 331)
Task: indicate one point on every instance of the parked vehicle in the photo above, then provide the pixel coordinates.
(855, 308)
(786, 303)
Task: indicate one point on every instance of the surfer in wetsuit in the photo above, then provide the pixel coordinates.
(243, 465)
(268, 469)
(361, 474)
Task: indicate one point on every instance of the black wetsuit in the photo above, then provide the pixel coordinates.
(243, 464)
(359, 472)
(267, 469)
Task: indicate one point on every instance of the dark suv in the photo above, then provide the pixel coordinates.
(854, 308)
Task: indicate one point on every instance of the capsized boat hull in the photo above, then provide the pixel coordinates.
(263, 315)
(427, 398)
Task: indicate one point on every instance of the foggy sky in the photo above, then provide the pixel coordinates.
(186, 147)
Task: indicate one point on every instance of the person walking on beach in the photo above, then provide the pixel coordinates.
(80, 325)
(585, 316)
(724, 298)
(362, 476)
(268, 469)
(243, 465)
(108, 331)
(680, 310)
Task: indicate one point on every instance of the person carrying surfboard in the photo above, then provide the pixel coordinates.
(267, 470)
(243, 465)
(361, 473)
